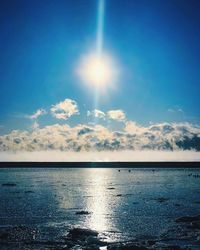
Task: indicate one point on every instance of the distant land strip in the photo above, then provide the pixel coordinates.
(100, 165)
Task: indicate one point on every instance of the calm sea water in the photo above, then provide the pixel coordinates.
(121, 205)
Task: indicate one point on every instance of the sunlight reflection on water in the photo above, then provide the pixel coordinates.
(120, 204)
(99, 203)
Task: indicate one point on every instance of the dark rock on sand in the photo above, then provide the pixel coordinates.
(82, 232)
(188, 218)
(29, 192)
(83, 213)
(9, 184)
(161, 199)
(84, 239)
(177, 205)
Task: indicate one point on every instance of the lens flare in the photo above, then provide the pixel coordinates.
(100, 26)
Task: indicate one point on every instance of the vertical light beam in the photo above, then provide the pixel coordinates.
(100, 26)
(99, 44)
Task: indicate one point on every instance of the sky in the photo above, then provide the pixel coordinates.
(153, 47)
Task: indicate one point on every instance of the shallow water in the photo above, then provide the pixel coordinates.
(121, 205)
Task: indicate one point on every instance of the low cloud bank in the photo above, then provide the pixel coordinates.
(82, 138)
(106, 156)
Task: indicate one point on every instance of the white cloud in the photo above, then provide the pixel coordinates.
(171, 110)
(64, 110)
(117, 115)
(132, 128)
(163, 136)
(96, 113)
(175, 110)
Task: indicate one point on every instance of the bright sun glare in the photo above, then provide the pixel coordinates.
(97, 71)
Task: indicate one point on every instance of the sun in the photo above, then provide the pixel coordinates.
(97, 71)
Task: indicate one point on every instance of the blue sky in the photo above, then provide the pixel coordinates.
(156, 44)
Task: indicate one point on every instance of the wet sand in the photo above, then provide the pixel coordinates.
(99, 209)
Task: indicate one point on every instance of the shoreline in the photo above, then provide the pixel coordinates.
(156, 165)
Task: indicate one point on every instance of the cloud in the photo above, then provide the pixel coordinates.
(38, 113)
(133, 128)
(175, 110)
(117, 115)
(96, 113)
(99, 139)
(64, 110)
(171, 110)
(83, 138)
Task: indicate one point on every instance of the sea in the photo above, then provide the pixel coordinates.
(120, 204)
